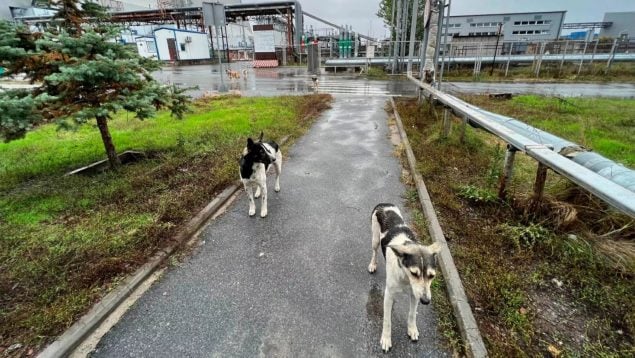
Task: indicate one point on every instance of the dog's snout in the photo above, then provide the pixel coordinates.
(425, 301)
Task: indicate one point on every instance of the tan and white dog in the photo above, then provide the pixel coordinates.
(410, 266)
(232, 74)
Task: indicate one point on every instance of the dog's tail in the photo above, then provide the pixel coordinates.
(261, 135)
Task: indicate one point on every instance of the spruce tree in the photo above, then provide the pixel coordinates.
(85, 75)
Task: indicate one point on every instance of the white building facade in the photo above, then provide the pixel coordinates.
(179, 45)
(526, 26)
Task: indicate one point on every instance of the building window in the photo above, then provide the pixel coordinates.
(151, 46)
(182, 47)
(532, 22)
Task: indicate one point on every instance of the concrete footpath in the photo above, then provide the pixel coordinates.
(294, 283)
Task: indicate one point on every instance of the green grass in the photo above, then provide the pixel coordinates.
(604, 125)
(549, 72)
(66, 239)
(49, 150)
(376, 73)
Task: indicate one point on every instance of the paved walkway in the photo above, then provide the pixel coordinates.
(295, 283)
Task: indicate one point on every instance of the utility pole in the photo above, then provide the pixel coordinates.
(413, 30)
(397, 36)
(498, 36)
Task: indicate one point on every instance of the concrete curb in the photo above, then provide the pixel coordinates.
(73, 336)
(468, 328)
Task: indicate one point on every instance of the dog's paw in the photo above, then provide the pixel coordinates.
(263, 213)
(386, 343)
(252, 212)
(277, 189)
(413, 333)
(372, 267)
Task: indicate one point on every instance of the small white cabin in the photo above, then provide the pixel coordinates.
(146, 46)
(177, 44)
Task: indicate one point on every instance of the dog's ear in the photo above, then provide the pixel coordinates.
(250, 142)
(402, 250)
(434, 250)
(261, 135)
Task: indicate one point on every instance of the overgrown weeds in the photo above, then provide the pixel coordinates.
(540, 280)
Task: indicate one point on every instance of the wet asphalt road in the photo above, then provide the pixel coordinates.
(279, 81)
(295, 80)
(295, 283)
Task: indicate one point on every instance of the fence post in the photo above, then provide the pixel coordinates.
(542, 51)
(582, 57)
(595, 48)
(509, 57)
(508, 168)
(610, 60)
(564, 53)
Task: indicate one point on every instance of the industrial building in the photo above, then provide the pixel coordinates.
(622, 25)
(522, 26)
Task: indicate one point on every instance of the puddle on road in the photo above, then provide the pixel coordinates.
(375, 303)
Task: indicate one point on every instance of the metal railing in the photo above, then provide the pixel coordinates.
(612, 193)
(583, 54)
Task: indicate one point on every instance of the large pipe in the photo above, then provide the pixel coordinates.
(605, 167)
(590, 176)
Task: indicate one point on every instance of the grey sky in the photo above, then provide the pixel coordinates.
(361, 13)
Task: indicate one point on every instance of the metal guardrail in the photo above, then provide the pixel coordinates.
(607, 190)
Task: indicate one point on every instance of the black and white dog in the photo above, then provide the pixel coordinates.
(410, 267)
(254, 163)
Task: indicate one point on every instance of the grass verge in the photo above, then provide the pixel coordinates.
(549, 72)
(555, 282)
(68, 240)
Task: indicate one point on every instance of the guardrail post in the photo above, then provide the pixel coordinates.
(539, 186)
(506, 176)
(463, 126)
(446, 123)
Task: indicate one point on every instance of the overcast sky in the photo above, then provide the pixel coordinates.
(361, 13)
